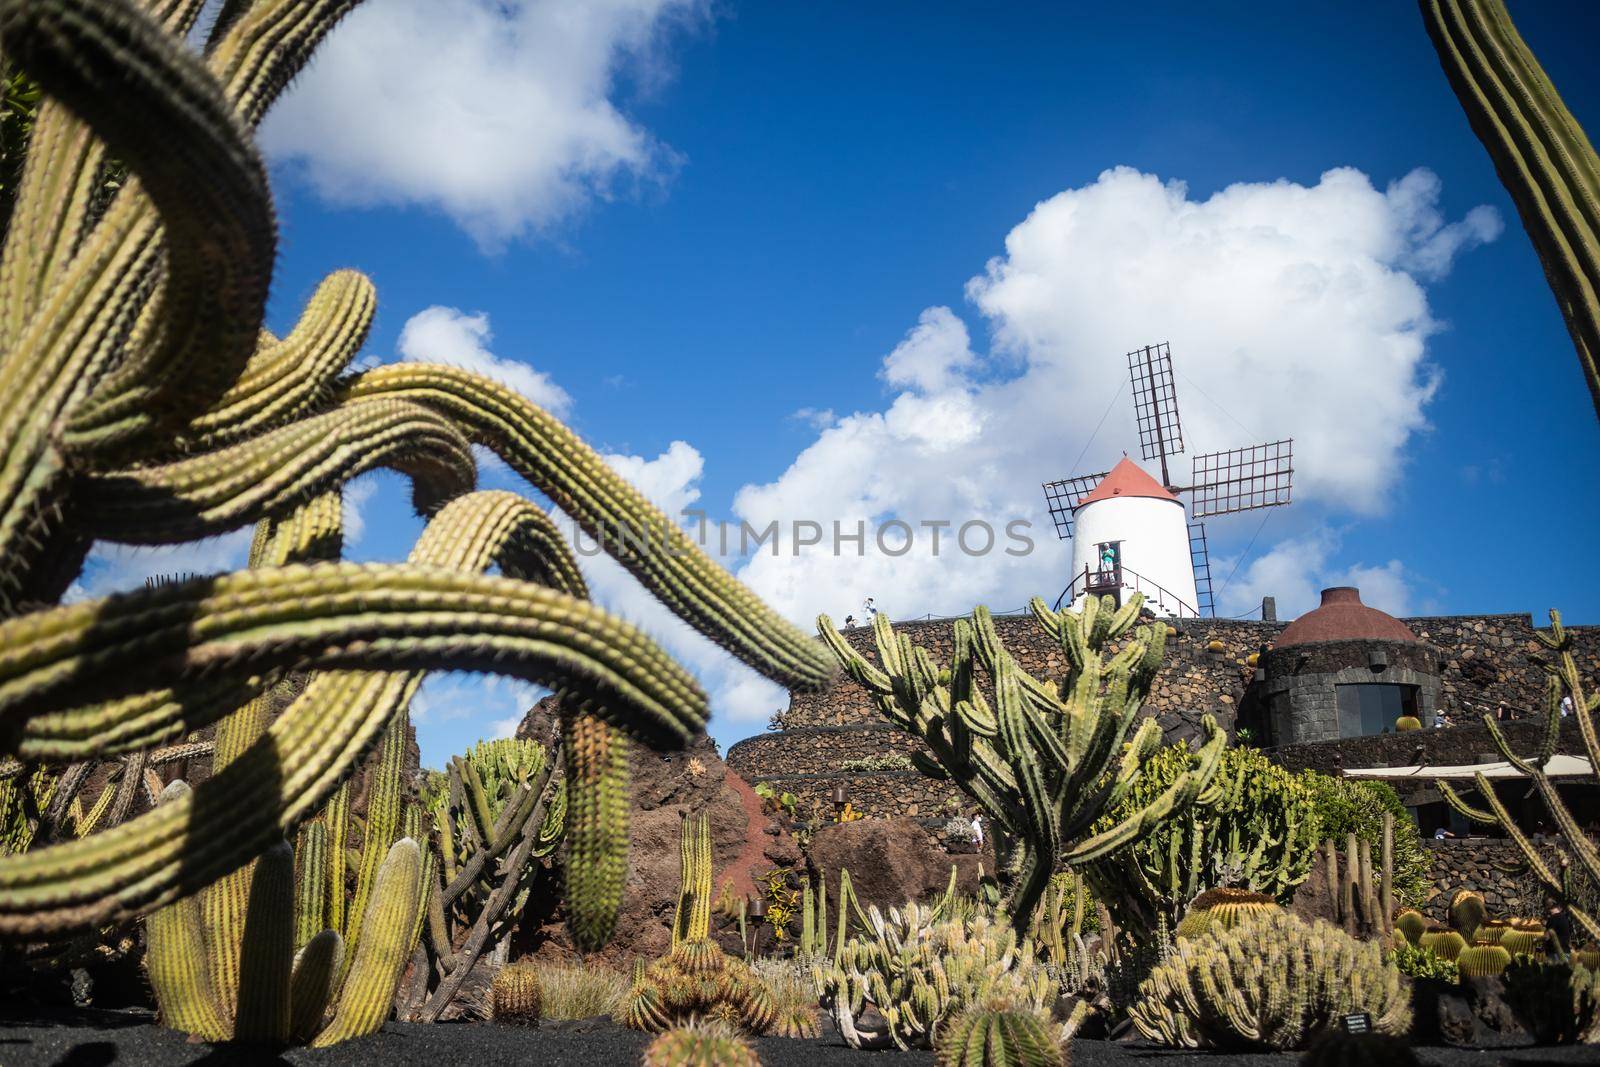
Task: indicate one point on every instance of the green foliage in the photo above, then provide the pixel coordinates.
(516, 995)
(916, 972)
(1557, 1002)
(1036, 759)
(1352, 806)
(1255, 828)
(1272, 982)
(1414, 961)
(999, 1037)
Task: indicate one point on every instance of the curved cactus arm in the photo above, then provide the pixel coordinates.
(286, 378)
(1173, 801)
(1539, 151)
(209, 494)
(384, 946)
(555, 461)
(312, 986)
(258, 46)
(170, 122)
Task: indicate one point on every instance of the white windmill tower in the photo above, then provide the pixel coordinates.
(1131, 534)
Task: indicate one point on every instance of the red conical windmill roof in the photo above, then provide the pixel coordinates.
(1127, 479)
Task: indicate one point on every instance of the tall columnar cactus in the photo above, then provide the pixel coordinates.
(917, 972)
(1563, 680)
(1272, 982)
(144, 403)
(1047, 758)
(1541, 154)
(1254, 829)
(1361, 897)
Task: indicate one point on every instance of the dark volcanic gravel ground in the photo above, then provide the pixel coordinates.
(133, 1040)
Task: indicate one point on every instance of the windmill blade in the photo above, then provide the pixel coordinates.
(1200, 560)
(1155, 402)
(1242, 479)
(1064, 495)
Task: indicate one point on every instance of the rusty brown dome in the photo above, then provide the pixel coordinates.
(1343, 617)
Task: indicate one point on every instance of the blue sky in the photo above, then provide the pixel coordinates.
(701, 232)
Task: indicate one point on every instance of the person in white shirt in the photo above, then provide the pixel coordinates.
(1566, 705)
(977, 829)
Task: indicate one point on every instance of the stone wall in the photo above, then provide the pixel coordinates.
(879, 794)
(1482, 659)
(1444, 747)
(1477, 863)
(1300, 692)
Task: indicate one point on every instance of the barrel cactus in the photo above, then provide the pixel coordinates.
(999, 1037)
(1443, 942)
(700, 1046)
(1523, 937)
(1483, 961)
(1467, 912)
(1272, 982)
(1411, 924)
(1222, 909)
(516, 996)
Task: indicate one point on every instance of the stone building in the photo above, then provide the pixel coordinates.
(1343, 670)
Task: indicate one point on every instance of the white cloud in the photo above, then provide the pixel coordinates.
(498, 113)
(449, 335)
(114, 568)
(1297, 308)
(1296, 570)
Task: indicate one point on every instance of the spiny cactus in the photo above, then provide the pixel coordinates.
(1522, 937)
(1467, 912)
(1490, 931)
(1539, 151)
(1361, 897)
(1442, 942)
(151, 407)
(695, 980)
(1557, 1002)
(700, 1046)
(1563, 680)
(1272, 982)
(515, 995)
(1411, 924)
(1036, 759)
(1255, 828)
(1407, 723)
(999, 1037)
(917, 972)
(1482, 961)
(1222, 909)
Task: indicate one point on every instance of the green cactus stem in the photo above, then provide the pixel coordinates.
(515, 995)
(998, 1038)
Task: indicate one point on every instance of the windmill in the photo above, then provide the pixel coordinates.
(1127, 535)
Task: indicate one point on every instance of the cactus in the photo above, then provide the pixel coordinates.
(998, 1037)
(152, 408)
(1522, 938)
(1361, 899)
(1411, 925)
(1491, 931)
(1558, 1003)
(917, 972)
(515, 995)
(813, 921)
(1446, 944)
(1406, 723)
(1035, 759)
(695, 980)
(1255, 828)
(1482, 961)
(1222, 909)
(1563, 680)
(1467, 912)
(700, 1046)
(1539, 151)
(1272, 982)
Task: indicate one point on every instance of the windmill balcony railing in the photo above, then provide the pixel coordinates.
(1112, 580)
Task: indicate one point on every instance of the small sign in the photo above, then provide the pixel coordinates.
(1359, 1023)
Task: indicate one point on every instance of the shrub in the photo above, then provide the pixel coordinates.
(794, 996)
(1417, 962)
(1350, 806)
(580, 991)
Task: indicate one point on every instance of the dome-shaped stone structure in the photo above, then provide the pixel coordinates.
(1346, 669)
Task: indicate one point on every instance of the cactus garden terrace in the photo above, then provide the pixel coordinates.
(1091, 831)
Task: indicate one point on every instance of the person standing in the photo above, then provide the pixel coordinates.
(869, 611)
(977, 829)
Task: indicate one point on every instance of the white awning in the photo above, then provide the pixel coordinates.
(1560, 766)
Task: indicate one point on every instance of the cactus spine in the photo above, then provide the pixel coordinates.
(1222, 909)
(515, 996)
(1272, 982)
(1539, 151)
(700, 1046)
(1033, 759)
(998, 1038)
(1467, 912)
(1411, 925)
(1483, 961)
(151, 407)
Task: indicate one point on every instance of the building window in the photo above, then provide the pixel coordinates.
(1372, 708)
